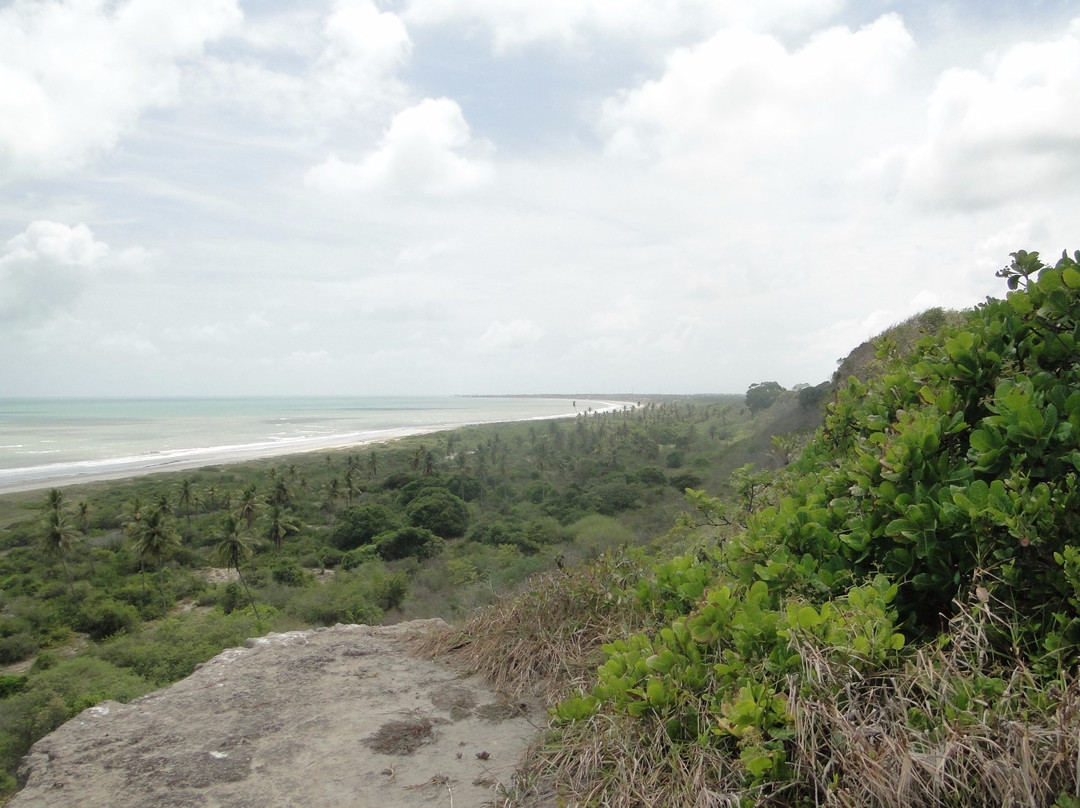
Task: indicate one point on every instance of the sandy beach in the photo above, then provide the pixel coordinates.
(35, 478)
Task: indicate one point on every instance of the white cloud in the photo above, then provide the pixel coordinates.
(307, 358)
(428, 149)
(76, 75)
(364, 41)
(513, 335)
(418, 254)
(128, 343)
(741, 95)
(308, 70)
(624, 316)
(44, 269)
(514, 23)
(1011, 130)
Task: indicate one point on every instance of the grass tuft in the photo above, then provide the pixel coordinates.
(547, 639)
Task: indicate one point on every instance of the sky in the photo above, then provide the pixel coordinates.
(369, 197)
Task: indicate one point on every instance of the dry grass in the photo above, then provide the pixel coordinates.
(620, 762)
(547, 639)
(917, 737)
(955, 726)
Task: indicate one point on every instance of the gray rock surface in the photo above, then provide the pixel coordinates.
(320, 719)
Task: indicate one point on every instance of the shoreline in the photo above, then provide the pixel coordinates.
(39, 478)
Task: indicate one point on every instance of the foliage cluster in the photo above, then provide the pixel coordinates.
(893, 620)
(416, 528)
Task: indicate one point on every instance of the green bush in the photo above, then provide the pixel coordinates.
(171, 650)
(11, 684)
(17, 647)
(287, 571)
(440, 512)
(233, 598)
(361, 555)
(105, 617)
(360, 524)
(345, 599)
(650, 475)
(416, 542)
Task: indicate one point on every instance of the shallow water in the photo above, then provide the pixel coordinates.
(46, 441)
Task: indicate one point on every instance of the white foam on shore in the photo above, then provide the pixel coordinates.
(51, 475)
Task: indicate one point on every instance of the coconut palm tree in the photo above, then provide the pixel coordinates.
(248, 507)
(58, 537)
(279, 494)
(333, 493)
(372, 465)
(54, 499)
(279, 525)
(350, 484)
(185, 498)
(132, 513)
(232, 550)
(153, 539)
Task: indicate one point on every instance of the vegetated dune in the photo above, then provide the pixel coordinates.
(340, 716)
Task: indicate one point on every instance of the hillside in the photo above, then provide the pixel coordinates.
(885, 613)
(893, 620)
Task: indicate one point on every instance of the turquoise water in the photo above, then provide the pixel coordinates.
(64, 439)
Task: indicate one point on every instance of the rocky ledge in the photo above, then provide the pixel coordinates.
(340, 716)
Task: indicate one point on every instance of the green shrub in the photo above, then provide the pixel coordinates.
(233, 598)
(44, 661)
(680, 482)
(105, 617)
(416, 542)
(17, 647)
(650, 475)
(171, 650)
(361, 555)
(10, 685)
(440, 512)
(345, 599)
(360, 524)
(287, 571)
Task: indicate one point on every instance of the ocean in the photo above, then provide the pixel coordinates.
(58, 441)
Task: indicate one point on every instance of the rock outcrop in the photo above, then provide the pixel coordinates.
(333, 717)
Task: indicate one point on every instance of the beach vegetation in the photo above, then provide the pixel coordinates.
(163, 572)
(360, 524)
(889, 617)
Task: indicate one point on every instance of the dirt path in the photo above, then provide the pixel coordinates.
(319, 719)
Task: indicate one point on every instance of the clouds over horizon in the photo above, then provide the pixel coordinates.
(43, 270)
(500, 195)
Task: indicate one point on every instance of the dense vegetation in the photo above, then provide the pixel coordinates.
(885, 614)
(113, 589)
(892, 620)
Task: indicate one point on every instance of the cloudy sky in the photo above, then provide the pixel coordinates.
(221, 197)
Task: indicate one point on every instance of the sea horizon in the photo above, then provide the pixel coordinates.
(56, 441)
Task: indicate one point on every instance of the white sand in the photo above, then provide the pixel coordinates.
(123, 468)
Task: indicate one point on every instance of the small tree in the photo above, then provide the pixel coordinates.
(408, 541)
(234, 549)
(440, 512)
(279, 525)
(360, 524)
(762, 395)
(154, 538)
(58, 537)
